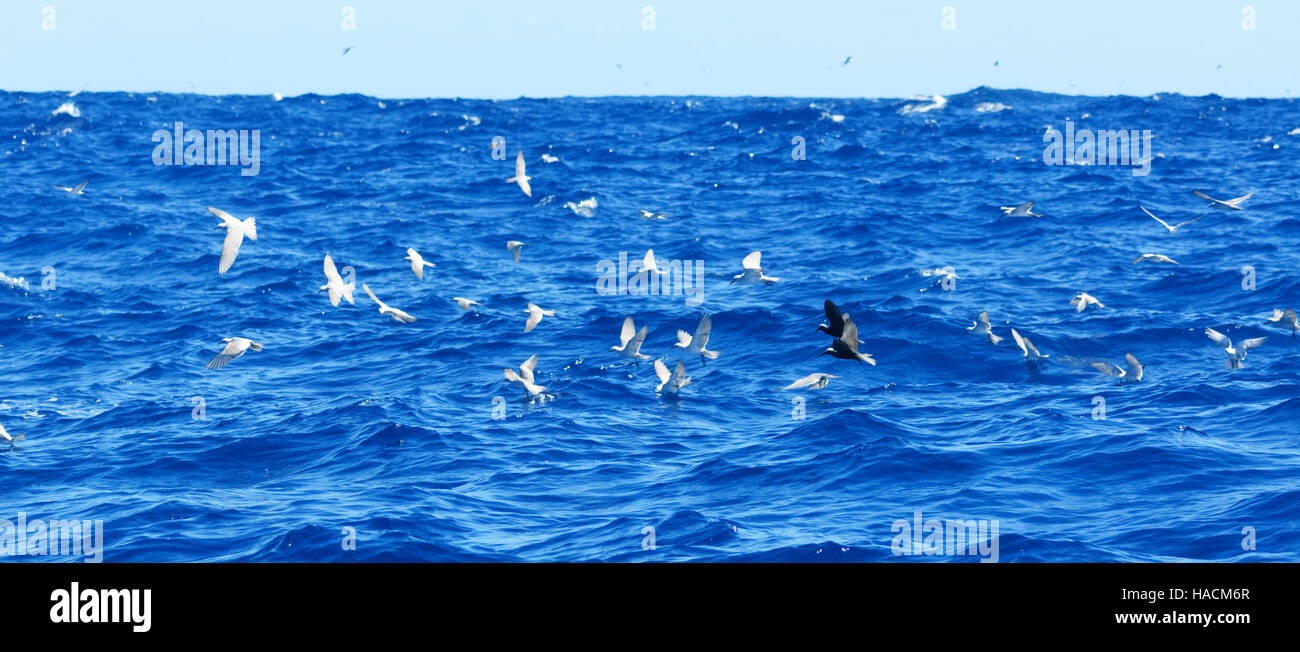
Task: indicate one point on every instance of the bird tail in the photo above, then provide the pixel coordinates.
(255, 346)
(994, 338)
(712, 355)
(511, 179)
(250, 228)
(548, 313)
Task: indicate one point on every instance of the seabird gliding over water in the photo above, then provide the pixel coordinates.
(846, 346)
(753, 271)
(630, 341)
(1154, 258)
(514, 246)
(981, 326)
(834, 325)
(1235, 353)
(696, 343)
(235, 232)
(235, 347)
(1082, 299)
(385, 309)
(334, 284)
(1023, 210)
(465, 303)
(418, 263)
(8, 438)
(520, 177)
(1031, 352)
(1234, 204)
(811, 381)
(524, 378)
(79, 189)
(1285, 319)
(535, 314)
(1166, 224)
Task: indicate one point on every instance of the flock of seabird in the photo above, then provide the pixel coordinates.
(1132, 370)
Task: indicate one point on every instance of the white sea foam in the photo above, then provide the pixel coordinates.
(67, 108)
(934, 104)
(990, 107)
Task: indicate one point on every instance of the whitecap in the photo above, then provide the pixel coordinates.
(990, 107)
(935, 103)
(69, 109)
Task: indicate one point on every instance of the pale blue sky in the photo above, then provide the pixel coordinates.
(507, 49)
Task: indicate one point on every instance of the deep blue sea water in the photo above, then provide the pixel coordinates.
(349, 420)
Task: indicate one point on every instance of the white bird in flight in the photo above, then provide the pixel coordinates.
(673, 382)
(1132, 373)
(698, 342)
(465, 303)
(630, 341)
(1031, 352)
(235, 232)
(385, 309)
(524, 377)
(811, 381)
(514, 246)
(981, 326)
(418, 263)
(79, 189)
(1235, 353)
(651, 215)
(1082, 299)
(1234, 204)
(1154, 258)
(1023, 210)
(1166, 224)
(334, 284)
(753, 271)
(235, 347)
(1285, 318)
(520, 177)
(535, 314)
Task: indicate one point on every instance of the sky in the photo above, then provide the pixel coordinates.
(507, 49)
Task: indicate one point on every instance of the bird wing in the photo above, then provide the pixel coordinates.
(1107, 368)
(230, 247)
(984, 319)
(1202, 195)
(1134, 370)
(629, 330)
(833, 315)
(332, 271)
(526, 369)
(520, 167)
(683, 338)
(222, 215)
(702, 331)
(1251, 343)
(661, 370)
(850, 336)
(534, 317)
(635, 344)
(523, 185)
(752, 261)
(1219, 338)
(679, 375)
(1231, 202)
(1142, 258)
(1166, 224)
(1290, 315)
(803, 382)
(514, 246)
(372, 296)
(1020, 342)
(1182, 224)
(511, 375)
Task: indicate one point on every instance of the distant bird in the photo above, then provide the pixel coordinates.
(1166, 224)
(1082, 299)
(514, 246)
(846, 346)
(334, 284)
(1023, 210)
(235, 347)
(10, 439)
(1154, 258)
(753, 271)
(346, 50)
(1285, 319)
(385, 309)
(1234, 204)
(651, 215)
(535, 315)
(696, 343)
(79, 189)
(846, 61)
(630, 341)
(811, 381)
(1236, 354)
(982, 326)
(520, 177)
(673, 382)
(1031, 352)
(465, 303)
(1132, 372)
(418, 263)
(235, 232)
(524, 377)
(648, 264)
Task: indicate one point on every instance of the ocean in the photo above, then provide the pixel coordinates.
(352, 437)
